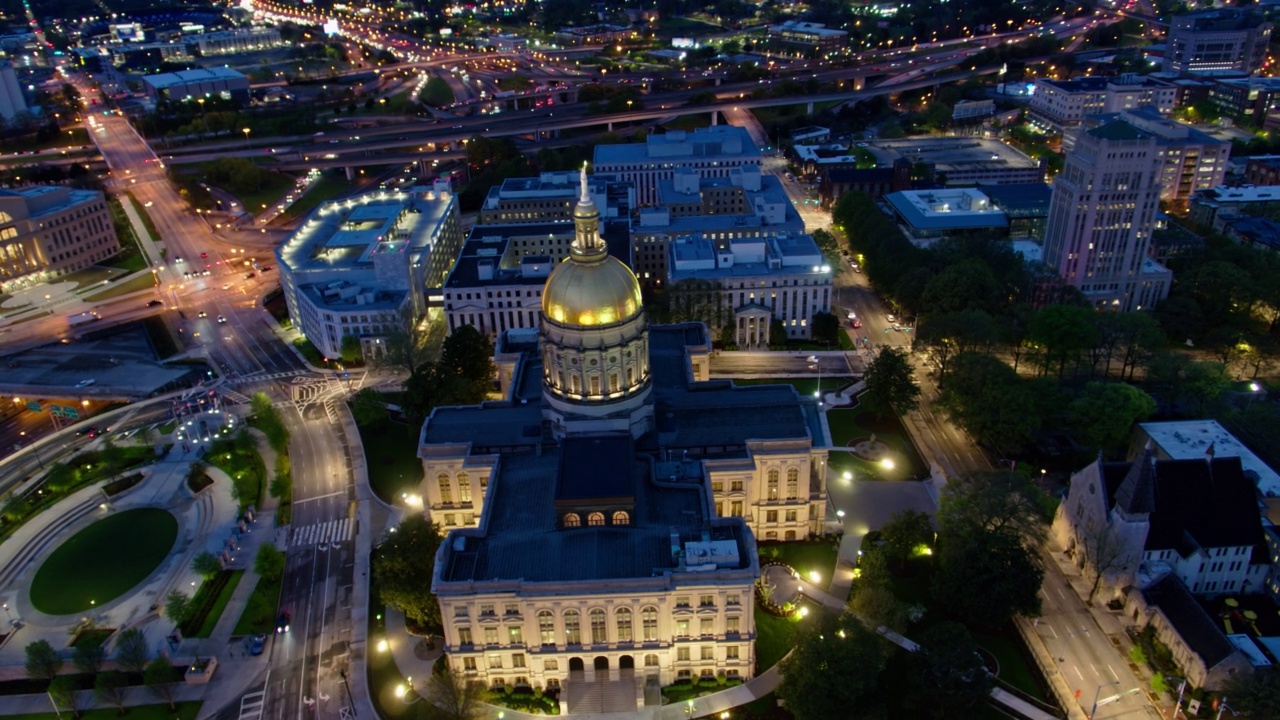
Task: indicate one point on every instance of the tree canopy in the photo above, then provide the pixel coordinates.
(891, 380)
(462, 376)
(403, 566)
(836, 664)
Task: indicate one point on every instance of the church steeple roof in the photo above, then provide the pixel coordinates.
(1137, 492)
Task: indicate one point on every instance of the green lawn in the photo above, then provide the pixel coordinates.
(90, 276)
(309, 351)
(130, 258)
(238, 457)
(68, 138)
(384, 676)
(391, 452)
(219, 605)
(103, 561)
(259, 614)
(145, 216)
(848, 424)
(185, 711)
(806, 557)
(775, 637)
(144, 281)
(805, 386)
(437, 93)
(689, 123)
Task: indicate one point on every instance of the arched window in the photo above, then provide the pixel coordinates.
(649, 623)
(773, 484)
(464, 488)
(546, 627)
(595, 519)
(621, 518)
(793, 483)
(624, 625)
(598, 636)
(572, 520)
(572, 627)
(446, 493)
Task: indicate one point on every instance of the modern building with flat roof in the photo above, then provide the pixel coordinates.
(193, 84)
(711, 152)
(746, 204)
(1025, 205)
(361, 266)
(1214, 206)
(1191, 160)
(1215, 40)
(962, 160)
(550, 197)
(240, 40)
(802, 35)
(926, 215)
(1057, 105)
(755, 281)
(51, 230)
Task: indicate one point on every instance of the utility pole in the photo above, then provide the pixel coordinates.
(1096, 693)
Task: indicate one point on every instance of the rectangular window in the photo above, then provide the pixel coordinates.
(731, 625)
(682, 601)
(708, 652)
(469, 664)
(771, 516)
(649, 619)
(491, 636)
(791, 516)
(495, 661)
(464, 636)
(706, 600)
(487, 610)
(550, 666)
(682, 628)
(517, 660)
(514, 635)
(707, 626)
(511, 609)
(731, 652)
(682, 654)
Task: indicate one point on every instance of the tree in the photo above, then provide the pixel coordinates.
(268, 563)
(132, 652)
(836, 664)
(1002, 503)
(462, 376)
(966, 285)
(1255, 696)
(986, 578)
(87, 655)
(1105, 412)
(947, 673)
(825, 328)
(267, 418)
(206, 565)
(950, 334)
(406, 344)
(905, 531)
(350, 349)
(158, 677)
(62, 693)
(1063, 332)
(988, 399)
(42, 661)
(404, 565)
(878, 606)
(108, 687)
(1104, 550)
(369, 408)
(177, 606)
(455, 697)
(890, 378)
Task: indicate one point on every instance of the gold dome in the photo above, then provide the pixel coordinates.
(591, 292)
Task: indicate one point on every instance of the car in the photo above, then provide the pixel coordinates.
(155, 303)
(857, 324)
(282, 622)
(148, 204)
(250, 276)
(202, 314)
(226, 286)
(86, 382)
(178, 261)
(204, 256)
(256, 644)
(207, 272)
(891, 318)
(266, 268)
(222, 319)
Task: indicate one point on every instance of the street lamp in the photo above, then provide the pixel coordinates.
(1254, 391)
(1097, 692)
(246, 136)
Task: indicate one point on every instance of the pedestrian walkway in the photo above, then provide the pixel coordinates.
(333, 531)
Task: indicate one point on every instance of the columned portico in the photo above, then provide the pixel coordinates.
(751, 326)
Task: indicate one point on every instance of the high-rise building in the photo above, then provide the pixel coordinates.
(1101, 217)
(53, 230)
(602, 518)
(1219, 39)
(11, 100)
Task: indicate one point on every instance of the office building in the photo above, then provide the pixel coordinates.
(1025, 206)
(602, 518)
(797, 35)
(711, 152)
(362, 266)
(47, 231)
(876, 182)
(1057, 105)
(1191, 160)
(927, 215)
(550, 197)
(960, 161)
(751, 282)
(193, 84)
(1251, 100)
(1216, 40)
(1213, 207)
(241, 40)
(1101, 217)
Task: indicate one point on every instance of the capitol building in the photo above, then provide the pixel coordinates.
(602, 518)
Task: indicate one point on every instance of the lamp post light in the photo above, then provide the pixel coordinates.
(1097, 692)
(1177, 706)
(6, 612)
(1254, 391)
(246, 132)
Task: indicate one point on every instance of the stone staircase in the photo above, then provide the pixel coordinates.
(603, 695)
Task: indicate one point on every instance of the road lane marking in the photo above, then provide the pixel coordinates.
(320, 497)
(1114, 674)
(1078, 673)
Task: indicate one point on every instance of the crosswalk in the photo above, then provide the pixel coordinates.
(323, 533)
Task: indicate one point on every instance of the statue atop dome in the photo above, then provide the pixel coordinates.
(586, 196)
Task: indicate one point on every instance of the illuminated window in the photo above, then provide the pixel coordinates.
(595, 519)
(621, 518)
(572, 520)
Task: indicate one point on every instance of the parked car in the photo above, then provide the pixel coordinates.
(256, 644)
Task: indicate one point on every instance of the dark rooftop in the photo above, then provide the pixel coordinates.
(1020, 199)
(594, 467)
(1118, 130)
(1191, 621)
(1209, 502)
